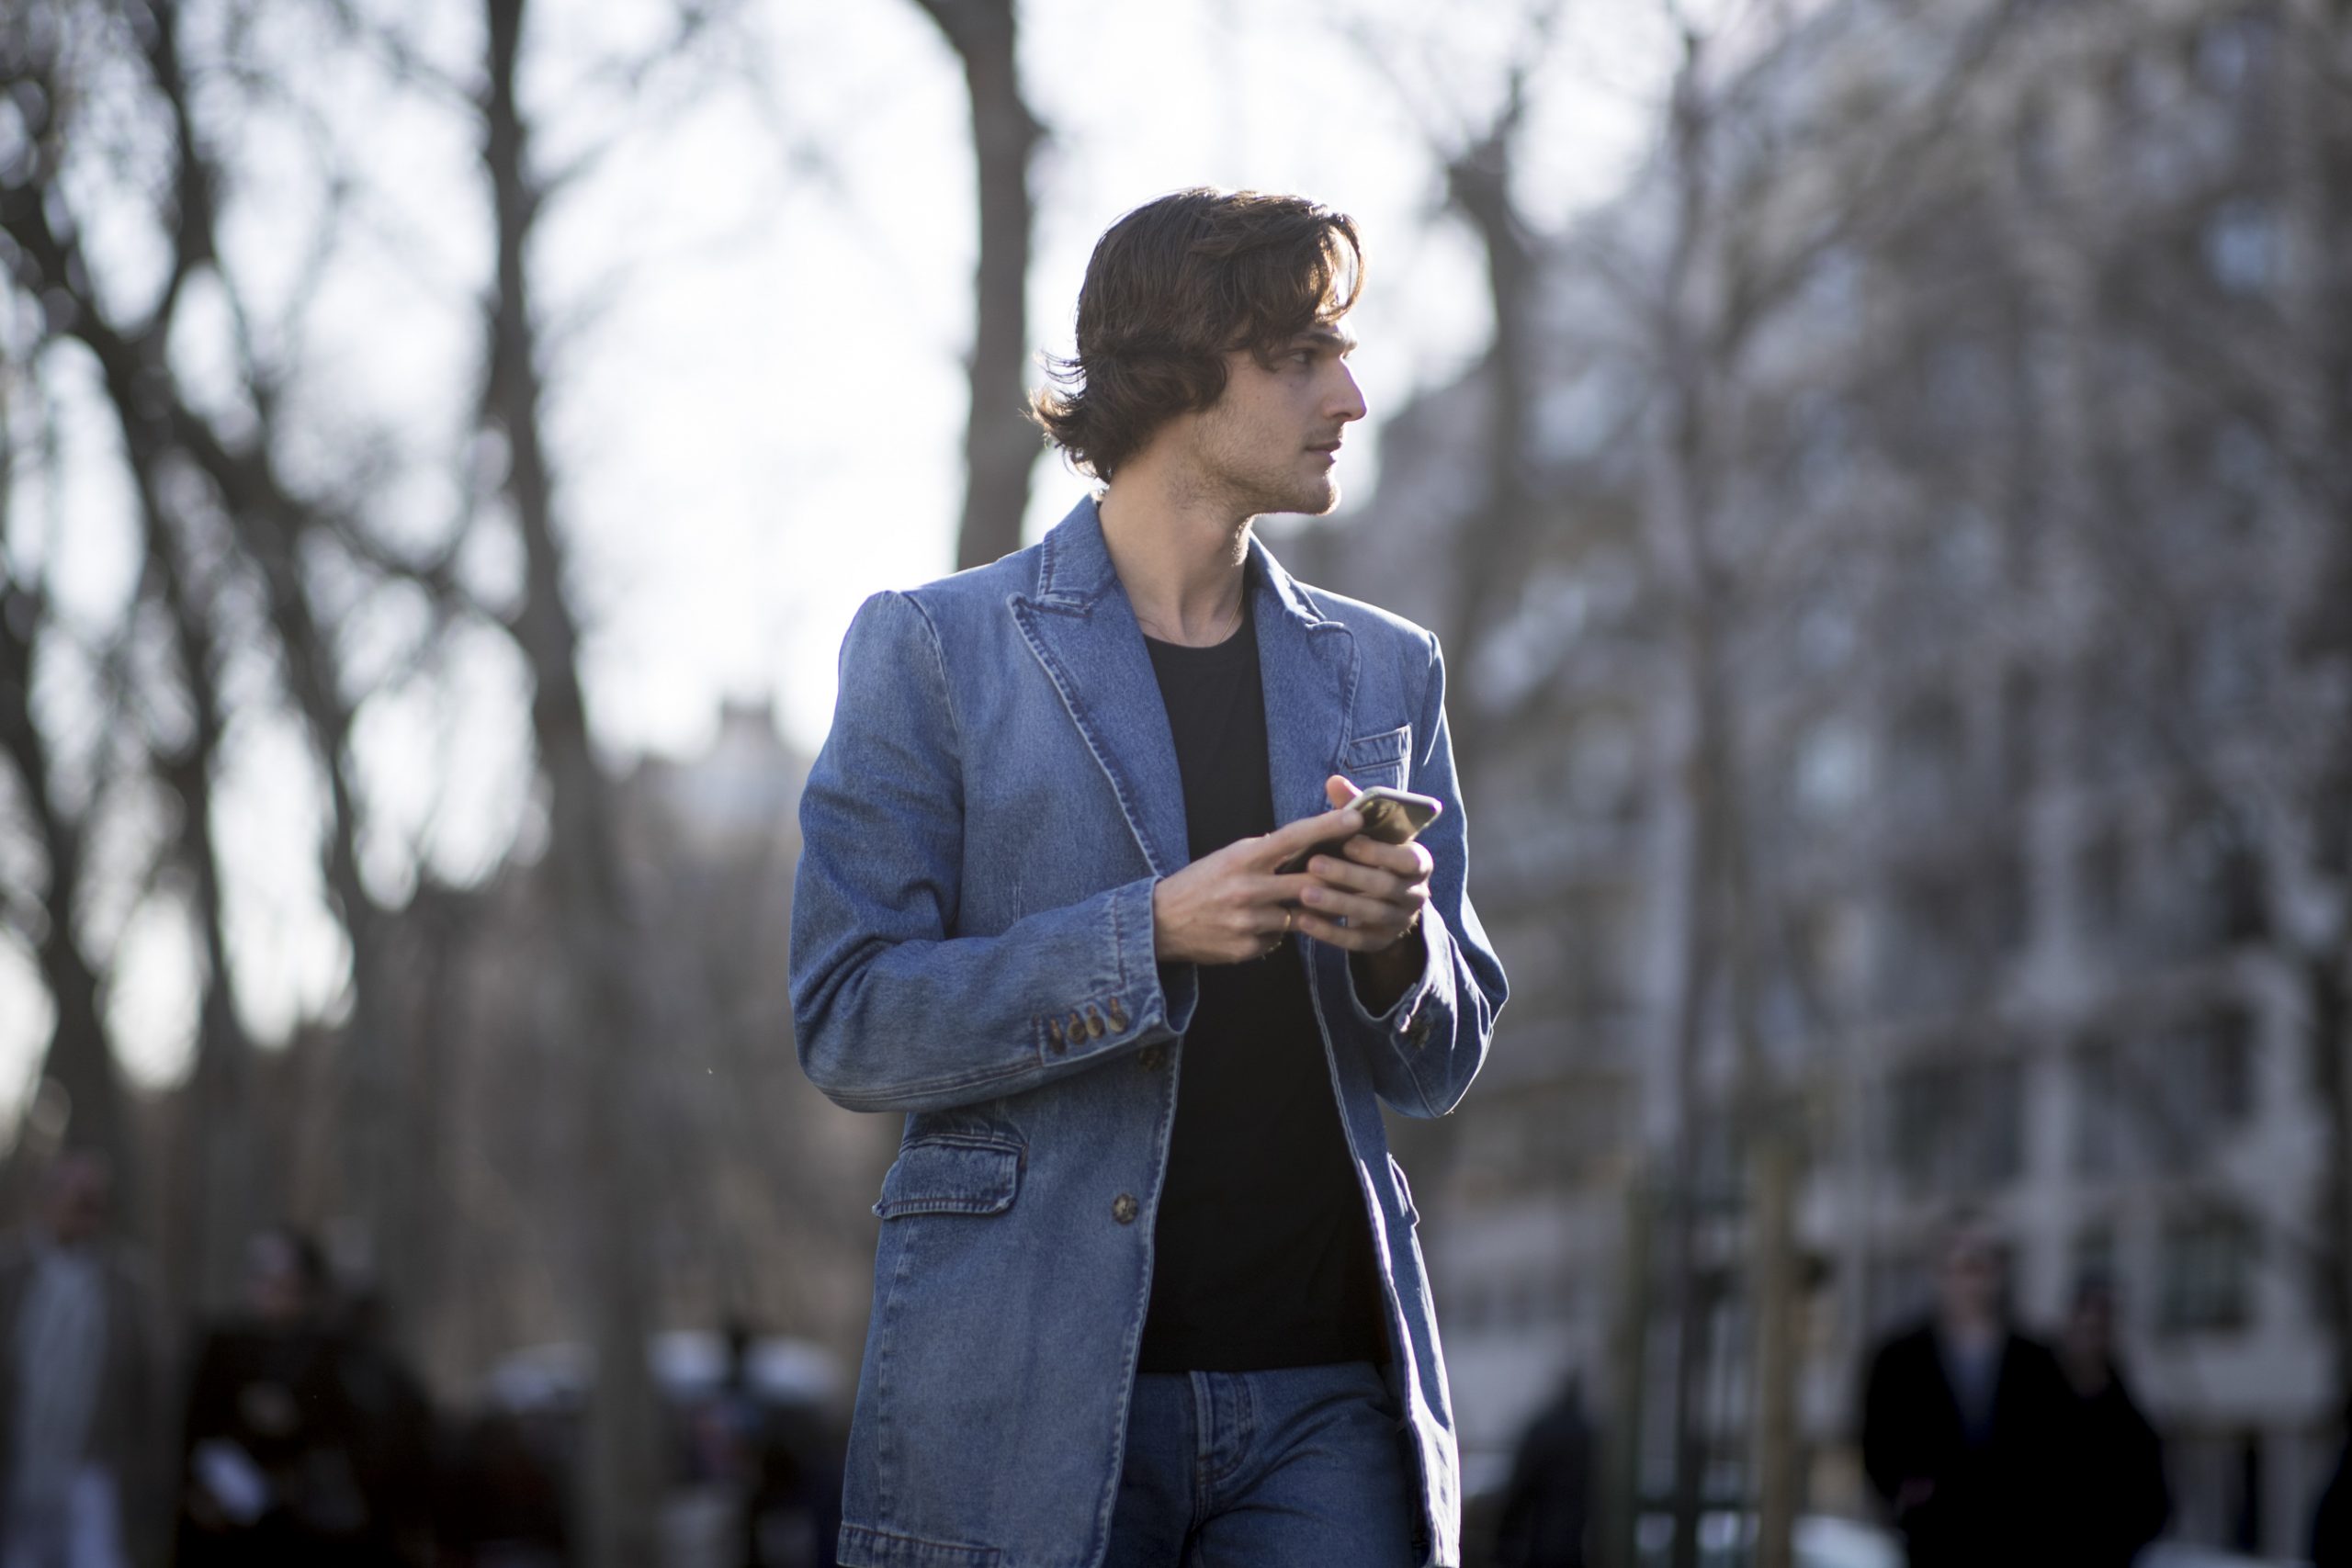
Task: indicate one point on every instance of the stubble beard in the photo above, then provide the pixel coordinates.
(1252, 487)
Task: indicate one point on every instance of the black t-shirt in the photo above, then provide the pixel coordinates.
(1263, 1256)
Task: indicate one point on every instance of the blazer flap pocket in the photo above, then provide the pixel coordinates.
(951, 1176)
(1387, 753)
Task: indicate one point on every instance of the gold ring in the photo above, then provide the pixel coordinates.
(1287, 913)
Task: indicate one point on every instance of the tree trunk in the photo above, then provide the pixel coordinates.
(603, 1011)
(1619, 1514)
(1772, 1288)
(1000, 444)
(221, 1200)
(1492, 551)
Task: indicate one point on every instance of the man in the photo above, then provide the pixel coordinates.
(275, 1450)
(2331, 1523)
(1146, 1289)
(78, 1455)
(1966, 1423)
(2117, 1500)
(1548, 1502)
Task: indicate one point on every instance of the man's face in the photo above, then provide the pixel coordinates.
(1270, 441)
(1969, 1277)
(78, 1191)
(2090, 1327)
(275, 1288)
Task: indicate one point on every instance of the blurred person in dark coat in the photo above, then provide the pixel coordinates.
(1964, 1423)
(275, 1448)
(503, 1503)
(80, 1470)
(2332, 1527)
(1548, 1502)
(2117, 1501)
(781, 1472)
(392, 1425)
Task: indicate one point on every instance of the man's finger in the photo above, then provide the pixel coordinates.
(1277, 892)
(1333, 872)
(1354, 938)
(1400, 900)
(1307, 832)
(1408, 861)
(1357, 909)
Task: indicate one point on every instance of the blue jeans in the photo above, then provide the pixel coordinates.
(1297, 1468)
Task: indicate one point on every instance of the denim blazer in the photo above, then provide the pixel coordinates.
(972, 946)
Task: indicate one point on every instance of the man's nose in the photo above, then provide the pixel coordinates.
(1348, 404)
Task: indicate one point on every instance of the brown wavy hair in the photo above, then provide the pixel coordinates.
(1173, 288)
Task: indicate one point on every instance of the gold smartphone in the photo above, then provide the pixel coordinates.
(1391, 816)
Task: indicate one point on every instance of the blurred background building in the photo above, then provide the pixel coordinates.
(2018, 662)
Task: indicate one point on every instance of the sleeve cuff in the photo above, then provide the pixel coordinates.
(1404, 1015)
(1147, 1001)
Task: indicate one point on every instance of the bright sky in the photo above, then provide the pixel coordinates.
(758, 399)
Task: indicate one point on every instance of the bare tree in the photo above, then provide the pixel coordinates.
(597, 939)
(166, 439)
(1754, 197)
(2263, 357)
(258, 561)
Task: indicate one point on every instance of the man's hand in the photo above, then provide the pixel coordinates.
(1368, 899)
(1368, 896)
(1232, 906)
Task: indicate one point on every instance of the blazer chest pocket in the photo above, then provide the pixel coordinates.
(1373, 761)
(951, 1176)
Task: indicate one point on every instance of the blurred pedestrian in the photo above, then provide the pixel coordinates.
(80, 1464)
(503, 1503)
(273, 1446)
(1965, 1422)
(1548, 1502)
(501, 1498)
(2116, 1501)
(783, 1495)
(2332, 1525)
(392, 1426)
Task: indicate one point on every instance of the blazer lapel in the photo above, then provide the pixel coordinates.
(1308, 666)
(1083, 631)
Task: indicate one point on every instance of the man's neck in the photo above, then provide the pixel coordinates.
(1963, 1332)
(70, 1247)
(1179, 554)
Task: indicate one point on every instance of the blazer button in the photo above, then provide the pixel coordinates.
(1077, 1029)
(1118, 1014)
(1054, 1033)
(1093, 1025)
(1124, 1208)
(1150, 1057)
